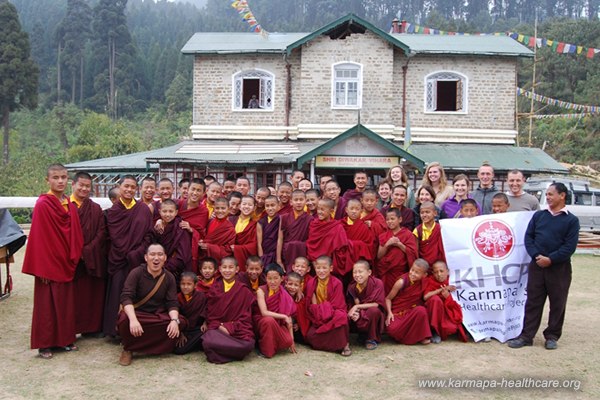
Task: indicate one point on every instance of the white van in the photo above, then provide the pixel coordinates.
(582, 200)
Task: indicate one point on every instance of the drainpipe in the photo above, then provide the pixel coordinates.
(404, 73)
(288, 94)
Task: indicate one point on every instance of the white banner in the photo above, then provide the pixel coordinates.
(488, 265)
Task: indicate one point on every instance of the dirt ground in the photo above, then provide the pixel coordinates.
(390, 372)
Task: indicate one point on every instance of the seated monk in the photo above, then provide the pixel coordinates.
(192, 306)
(253, 276)
(150, 320)
(274, 323)
(229, 335)
(293, 284)
(367, 305)
(445, 314)
(327, 313)
(220, 233)
(208, 271)
(407, 320)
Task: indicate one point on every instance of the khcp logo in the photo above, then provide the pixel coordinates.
(493, 239)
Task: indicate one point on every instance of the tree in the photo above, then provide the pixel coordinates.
(18, 72)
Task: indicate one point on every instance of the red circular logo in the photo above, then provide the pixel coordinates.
(493, 239)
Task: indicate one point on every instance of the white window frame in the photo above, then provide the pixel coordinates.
(267, 90)
(335, 80)
(430, 92)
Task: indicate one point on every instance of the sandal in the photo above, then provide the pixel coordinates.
(346, 352)
(46, 354)
(371, 345)
(71, 347)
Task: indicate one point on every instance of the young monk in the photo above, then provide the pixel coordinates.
(429, 235)
(500, 203)
(228, 186)
(235, 201)
(245, 232)
(208, 270)
(274, 325)
(407, 320)
(267, 231)
(165, 192)
(468, 208)
(312, 199)
(445, 314)
(397, 250)
(302, 267)
(213, 192)
(293, 232)
(220, 233)
(147, 192)
(301, 322)
(399, 194)
(332, 192)
(327, 236)
(360, 184)
(229, 335)
(252, 276)
(359, 234)
(260, 199)
(371, 215)
(192, 306)
(183, 187)
(327, 313)
(175, 240)
(194, 216)
(367, 305)
(284, 193)
(54, 248)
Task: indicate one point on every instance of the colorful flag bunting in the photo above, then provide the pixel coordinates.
(244, 11)
(585, 109)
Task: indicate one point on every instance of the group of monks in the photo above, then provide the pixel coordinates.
(225, 271)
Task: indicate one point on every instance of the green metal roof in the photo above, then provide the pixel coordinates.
(349, 23)
(361, 130)
(469, 157)
(488, 45)
(239, 42)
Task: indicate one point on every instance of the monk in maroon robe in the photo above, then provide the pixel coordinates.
(293, 233)
(195, 216)
(273, 322)
(366, 300)
(245, 244)
(407, 320)
(326, 236)
(445, 314)
(192, 306)
(177, 244)
(360, 183)
(220, 233)
(293, 286)
(284, 193)
(358, 233)
(253, 275)
(397, 250)
(129, 226)
(229, 335)
(267, 233)
(90, 275)
(326, 306)
(54, 248)
(429, 235)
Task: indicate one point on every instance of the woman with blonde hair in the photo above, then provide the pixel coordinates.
(436, 178)
(397, 177)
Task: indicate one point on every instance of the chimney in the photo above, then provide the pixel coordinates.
(395, 26)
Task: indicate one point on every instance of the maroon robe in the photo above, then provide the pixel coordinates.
(283, 210)
(340, 209)
(329, 330)
(445, 315)
(177, 244)
(198, 219)
(408, 216)
(410, 324)
(273, 334)
(232, 310)
(295, 233)
(204, 287)
(362, 240)
(371, 321)
(90, 276)
(270, 232)
(245, 242)
(432, 249)
(54, 248)
(194, 311)
(396, 262)
(242, 278)
(378, 225)
(352, 194)
(329, 238)
(130, 233)
(220, 236)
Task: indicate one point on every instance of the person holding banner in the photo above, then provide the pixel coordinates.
(550, 240)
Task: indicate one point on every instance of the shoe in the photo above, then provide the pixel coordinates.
(126, 358)
(518, 343)
(371, 345)
(46, 354)
(435, 339)
(551, 344)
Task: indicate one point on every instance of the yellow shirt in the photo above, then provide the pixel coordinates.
(297, 214)
(210, 209)
(227, 286)
(349, 221)
(74, 200)
(426, 232)
(269, 219)
(271, 292)
(321, 291)
(64, 201)
(241, 224)
(359, 288)
(130, 206)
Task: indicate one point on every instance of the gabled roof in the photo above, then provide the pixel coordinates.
(361, 130)
(345, 25)
(239, 42)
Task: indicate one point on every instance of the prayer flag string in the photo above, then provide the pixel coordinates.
(244, 11)
(558, 103)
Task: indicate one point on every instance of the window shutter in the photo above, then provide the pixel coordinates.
(459, 95)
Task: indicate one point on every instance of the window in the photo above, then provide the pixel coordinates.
(253, 90)
(446, 92)
(346, 91)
